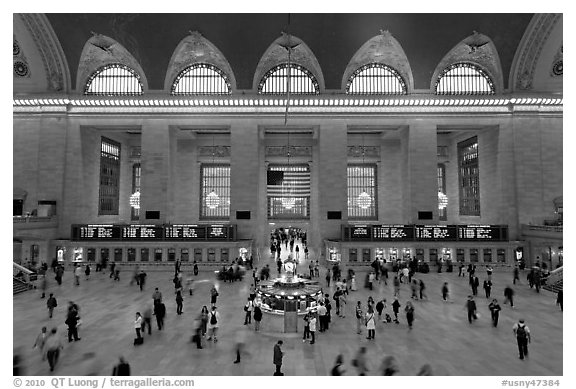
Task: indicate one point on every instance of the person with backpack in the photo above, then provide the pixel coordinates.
(51, 303)
(359, 316)
(248, 308)
(213, 323)
(495, 309)
(523, 337)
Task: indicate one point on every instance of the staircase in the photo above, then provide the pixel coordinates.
(554, 282)
(20, 286)
(554, 287)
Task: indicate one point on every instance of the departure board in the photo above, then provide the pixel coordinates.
(217, 232)
(393, 232)
(482, 233)
(142, 232)
(426, 233)
(360, 232)
(184, 232)
(96, 232)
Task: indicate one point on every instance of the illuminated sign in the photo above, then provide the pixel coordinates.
(152, 232)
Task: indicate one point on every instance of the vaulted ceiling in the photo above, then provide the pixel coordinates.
(244, 38)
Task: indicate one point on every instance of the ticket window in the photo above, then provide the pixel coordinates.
(379, 254)
(353, 255)
(171, 255)
(406, 255)
(117, 255)
(393, 255)
(198, 254)
(433, 255)
(104, 255)
(184, 255)
(144, 255)
(91, 255)
(446, 254)
(157, 255)
(211, 255)
(224, 255)
(487, 255)
(420, 254)
(473, 255)
(501, 255)
(131, 254)
(366, 255)
(460, 255)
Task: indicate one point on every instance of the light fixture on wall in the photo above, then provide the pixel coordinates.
(135, 200)
(442, 200)
(212, 199)
(364, 200)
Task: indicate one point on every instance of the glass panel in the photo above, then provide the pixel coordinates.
(288, 191)
(117, 255)
(198, 254)
(157, 255)
(302, 81)
(376, 79)
(353, 255)
(215, 191)
(109, 191)
(114, 80)
(473, 255)
(201, 79)
(469, 177)
(362, 191)
(144, 255)
(131, 254)
(172, 254)
(211, 255)
(487, 255)
(224, 255)
(184, 255)
(464, 79)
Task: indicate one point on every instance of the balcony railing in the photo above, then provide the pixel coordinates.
(27, 222)
(541, 227)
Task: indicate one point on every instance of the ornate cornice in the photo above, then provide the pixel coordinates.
(53, 58)
(530, 48)
(216, 151)
(360, 151)
(282, 151)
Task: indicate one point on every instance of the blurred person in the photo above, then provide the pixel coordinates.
(359, 361)
(240, 343)
(248, 309)
(380, 305)
(77, 274)
(560, 299)
(87, 271)
(138, 325)
(204, 320)
(122, 368)
(422, 287)
(509, 296)
(312, 324)
(389, 365)
(157, 296)
(72, 320)
(337, 369)
(40, 343)
(396, 283)
(147, 320)
(425, 370)
(474, 284)
(445, 291)
(487, 288)
(141, 279)
(516, 275)
(396, 309)
(53, 346)
(213, 295)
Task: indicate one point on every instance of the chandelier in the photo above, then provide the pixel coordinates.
(135, 200)
(442, 200)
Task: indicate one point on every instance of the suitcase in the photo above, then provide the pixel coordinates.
(138, 341)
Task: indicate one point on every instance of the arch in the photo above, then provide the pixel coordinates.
(201, 79)
(537, 56)
(277, 54)
(40, 64)
(114, 80)
(464, 78)
(193, 49)
(100, 51)
(381, 49)
(376, 79)
(302, 81)
(478, 50)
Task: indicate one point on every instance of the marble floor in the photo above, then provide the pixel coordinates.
(441, 336)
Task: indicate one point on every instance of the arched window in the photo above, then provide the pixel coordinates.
(464, 79)
(201, 79)
(302, 81)
(376, 79)
(114, 80)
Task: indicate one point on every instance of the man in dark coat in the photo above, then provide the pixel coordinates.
(475, 283)
(471, 307)
(122, 368)
(160, 312)
(278, 355)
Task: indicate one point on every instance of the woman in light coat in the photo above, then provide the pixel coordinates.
(370, 323)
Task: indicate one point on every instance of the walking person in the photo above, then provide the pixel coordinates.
(445, 291)
(204, 320)
(560, 299)
(53, 346)
(489, 271)
(389, 366)
(138, 327)
(248, 308)
(414, 288)
(51, 303)
(157, 296)
(495, 309)
(147, 320)
(43, 285)
(297, 252)
(306, 334)
(213, 295)
(122, 368)
(370, 323)
(516, 275)
(179, 302)
(87, 271)
(195, 268)
(471, 308)
(409, 309)
(141, 279)
(160, 312)
(240, 343)
(41, 342)
(306, 252)
(322, 316)
(213, 324)
(337, 370)
(312, 324)
(396, 286)
(380, 305)
(72, 323)
(523, 337)
(487, 288)
(359, 361)
(59, 274)
(422, 287)
(328, 277)
(371, 278)
(474, 283)
(359, 317)
(77, 274)
(277, 359)
(509, 296)
(396, 309)
(257, 317)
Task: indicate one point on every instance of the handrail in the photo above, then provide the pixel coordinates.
(555, 275)
(22, 268)
(26, 273)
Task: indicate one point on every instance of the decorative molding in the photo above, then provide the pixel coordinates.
(360, 151)
(384, 49)
(277, 54)
(282, 151)
(217, 151)
(101, 50)
(21, 68)
(530, 49)
(557, 64)
(53, 57)
(194, 48)
(469, 50)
